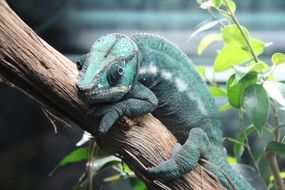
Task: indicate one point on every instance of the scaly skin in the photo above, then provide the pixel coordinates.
(125, 76)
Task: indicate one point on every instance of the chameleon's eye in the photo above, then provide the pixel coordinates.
(81, 61)
(79, 65)
(114, 74)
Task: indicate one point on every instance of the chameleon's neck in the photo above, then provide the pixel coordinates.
(150, 43)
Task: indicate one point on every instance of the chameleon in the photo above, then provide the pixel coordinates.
(145, 73)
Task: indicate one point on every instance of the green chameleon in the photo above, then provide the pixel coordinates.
(133, 76)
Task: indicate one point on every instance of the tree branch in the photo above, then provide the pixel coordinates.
(31, 65)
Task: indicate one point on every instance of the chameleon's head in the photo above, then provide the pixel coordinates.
(109, 70)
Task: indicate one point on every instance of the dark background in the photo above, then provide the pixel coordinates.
(29, 147)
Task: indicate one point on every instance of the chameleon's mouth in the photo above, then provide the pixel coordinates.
(97, 95)
(86, 88)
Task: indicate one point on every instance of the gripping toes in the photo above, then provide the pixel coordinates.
(167, 170)
(101, 110)
(184, 158)
(109, 113)
(107, 121)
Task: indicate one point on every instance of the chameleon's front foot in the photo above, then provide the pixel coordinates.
(109, 114)
(140, 101)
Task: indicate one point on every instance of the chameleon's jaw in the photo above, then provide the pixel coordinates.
(99, 95)
(86, 88)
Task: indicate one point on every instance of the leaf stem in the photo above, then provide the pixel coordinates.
(233, 140)
(235, 20)
(222, 11)
(268, 73)
(271, 157)
(90, 168)
(214, 17)
(277, 123)
(247, 146)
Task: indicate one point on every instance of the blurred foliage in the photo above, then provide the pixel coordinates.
(251, 89)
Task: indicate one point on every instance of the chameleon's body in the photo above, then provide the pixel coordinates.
(146, 73)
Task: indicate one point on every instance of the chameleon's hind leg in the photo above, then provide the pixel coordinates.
(184, 158)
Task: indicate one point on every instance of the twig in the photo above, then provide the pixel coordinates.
(50, 119)
(272, 157)
(53, 119)
(277, 130)
(272, 160)
(90, 167)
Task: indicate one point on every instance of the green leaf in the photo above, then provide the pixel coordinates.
(101, 164)
(271, 179)
(239, 145)
(75, 156)
(231, 160)
(236, 92)
(216, 3)
(257, 46)
(265, 70)
(199, 1)
(265, 66)
(85, 138)
(112, 178)
(137, 184)
(206, 41)
(241, 72)
(276, 147)
(207, 5)
(82, 183)
(276, 90)
(231, 4)
(233, 36)
(216, 91)
(201, 70)
(256, 106)
(205, 25)
(278, 58)
(125, 167)
(225, 107)
(229, 56)
(283, 139)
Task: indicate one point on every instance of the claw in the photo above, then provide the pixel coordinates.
(151, 172)
(98, 111)
(107, 121)
(91, 111)
(101, 131)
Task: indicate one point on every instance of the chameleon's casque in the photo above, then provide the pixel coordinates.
(109, 70)
(146, 73)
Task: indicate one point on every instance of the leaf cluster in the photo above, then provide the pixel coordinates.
(251, 88)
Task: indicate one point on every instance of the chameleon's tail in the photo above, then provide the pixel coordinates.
(226, 175)
(233, 179)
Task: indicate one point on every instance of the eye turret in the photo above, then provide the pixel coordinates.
(114, 74)
(80, 62)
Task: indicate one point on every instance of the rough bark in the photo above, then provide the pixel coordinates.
(31, 65)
